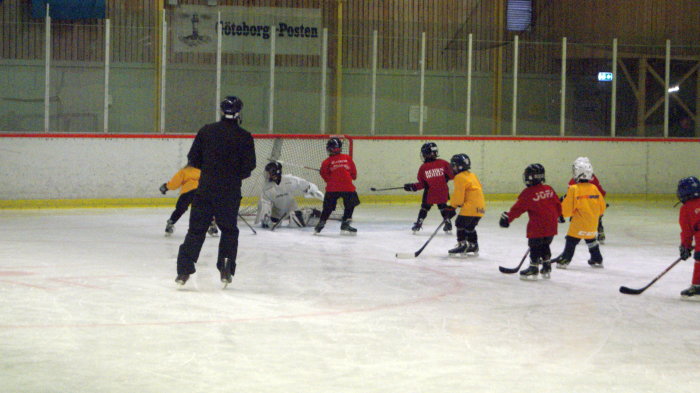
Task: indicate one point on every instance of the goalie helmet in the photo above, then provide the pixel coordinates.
(460, 163)
(273, 172)
(231, 107)
(582, 171)
(429, 151)
(582, 159)
(688, 188)
(533, 175)
(334, 146)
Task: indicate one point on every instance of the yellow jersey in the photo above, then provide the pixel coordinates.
(187, 178)
(468, 195)
(584, 204)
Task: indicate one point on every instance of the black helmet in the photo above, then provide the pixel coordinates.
(231, 106)
(460, 163)
(429, 151)
(334, 145)
(273, 171)
(688, 188)
(533, 175)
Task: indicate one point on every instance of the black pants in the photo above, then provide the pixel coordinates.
(593, 248)
(204, 208)
(330, 201)
(466, 228)
(539, 248)
(183, 202)
(425, 207)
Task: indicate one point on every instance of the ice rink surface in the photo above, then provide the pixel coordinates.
(89, 304)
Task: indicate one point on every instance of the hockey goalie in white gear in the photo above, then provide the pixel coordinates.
(277, 200)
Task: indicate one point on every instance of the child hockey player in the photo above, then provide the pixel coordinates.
(469, 197)
(584, 203)
(338, 170)
(595, 182)
(433, 176)
(689, 218)
(277, 200)
(187, 180)
(543, 207)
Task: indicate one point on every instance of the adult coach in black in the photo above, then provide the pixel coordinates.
(226, 155)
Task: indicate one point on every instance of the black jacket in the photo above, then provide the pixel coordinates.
(225, 153)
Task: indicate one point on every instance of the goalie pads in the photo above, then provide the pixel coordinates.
(264, 212)
(307, 217)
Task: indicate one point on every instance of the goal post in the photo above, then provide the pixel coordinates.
(300, 155)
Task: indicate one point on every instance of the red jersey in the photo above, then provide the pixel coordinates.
(593, 181)
(689, 218)
(339, 171)
(433, 177)
(542, 206)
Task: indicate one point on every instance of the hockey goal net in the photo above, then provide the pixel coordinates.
(300, 155)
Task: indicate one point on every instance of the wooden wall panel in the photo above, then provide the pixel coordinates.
(399, 23)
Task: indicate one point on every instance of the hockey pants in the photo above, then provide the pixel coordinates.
(204, 209)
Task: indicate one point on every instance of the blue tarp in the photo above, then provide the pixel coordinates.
(69, 9)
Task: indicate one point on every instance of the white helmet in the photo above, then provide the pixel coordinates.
(582, 170)
(584, 159)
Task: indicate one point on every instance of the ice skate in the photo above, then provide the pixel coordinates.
(561, 262)
(464, 249)
(319, 227)
(169, 228)
(546, 269)
(531, 272)
(213, 230)
(692, 293)
(346, 229)
(181, 279)
(417, 226)
(448, 227)
(226, 277)
(596, 264)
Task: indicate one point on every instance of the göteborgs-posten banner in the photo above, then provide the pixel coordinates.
(247, 29)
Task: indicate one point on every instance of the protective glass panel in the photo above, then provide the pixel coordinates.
(133, 80)
(483, 87)
(77, 77)
(247, 76)
(640, 94)
(398, 84)
(684, 103)
(356, 107)
(445, 87)
(190, 78)
(22, 55)
(587, 96)
(539, 87)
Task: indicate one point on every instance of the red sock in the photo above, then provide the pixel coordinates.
(696, 273)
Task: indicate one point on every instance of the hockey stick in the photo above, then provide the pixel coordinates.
(246, 222)
(278, 222)
(415, 254)
(515, 269)
(385, 189)
(631, 291)
(295, 165)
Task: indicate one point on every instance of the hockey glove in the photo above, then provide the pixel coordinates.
(164, 188)
(562, 219)
(449, 212)
(409, 187)
(504, 223)
(313, 192)
(685, 252)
